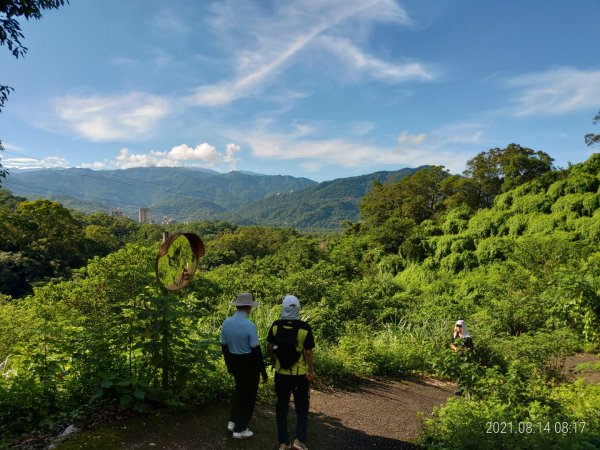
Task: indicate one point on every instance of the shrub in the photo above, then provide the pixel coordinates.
(575, 203)
(494, 249)
(24, 404)
(591, 204)
(504, 201)
(548, 421)
(533, 203)
(456, 262)
(487, 223)
(517, 225)
(543, 224)
(576, 183)
(456, 220)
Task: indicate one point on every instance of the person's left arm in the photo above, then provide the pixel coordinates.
(309, 344)
(225, 351)
(257, 352)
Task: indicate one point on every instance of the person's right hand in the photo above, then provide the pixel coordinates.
(311, 376)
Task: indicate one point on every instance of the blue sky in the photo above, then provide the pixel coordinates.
(321, 89)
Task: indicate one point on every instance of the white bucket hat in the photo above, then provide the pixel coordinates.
(244, 299)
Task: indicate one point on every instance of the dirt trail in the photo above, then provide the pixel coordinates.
(372, 414)
(368, 414)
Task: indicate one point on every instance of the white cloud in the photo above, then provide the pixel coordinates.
(35, 163)
(229, 157)
(363, 127)
(100, 119)
(556, 91)
(411, 139)
(450, 146)
(359, 62)
(96, 165)
(11, 147)
(180, 155)
(250, 81)
(168, 21)
(263, 45)
(203, 152)
(124, 61)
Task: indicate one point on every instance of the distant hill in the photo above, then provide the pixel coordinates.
(180, 193)
(199, 194)
(322, 206)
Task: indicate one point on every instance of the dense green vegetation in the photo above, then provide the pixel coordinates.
(512, 249)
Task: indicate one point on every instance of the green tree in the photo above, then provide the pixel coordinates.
(52, 235)
(499, 170)
(11, 35)
(3, 172)
(418, 197)
(520, 165)
(591, 138)
(460, 191)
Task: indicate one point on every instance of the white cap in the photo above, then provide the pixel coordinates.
(291, 300)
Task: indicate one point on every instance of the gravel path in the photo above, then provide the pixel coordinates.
(369, 414)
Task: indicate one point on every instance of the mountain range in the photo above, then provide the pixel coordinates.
(190, 194)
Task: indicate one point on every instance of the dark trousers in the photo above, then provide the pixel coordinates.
(246, 375)
(298, 385)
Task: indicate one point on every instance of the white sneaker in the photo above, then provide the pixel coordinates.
(230, 426)
(243, 434)
(297, 445)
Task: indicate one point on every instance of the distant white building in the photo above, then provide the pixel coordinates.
(116, 212)
(145, 216)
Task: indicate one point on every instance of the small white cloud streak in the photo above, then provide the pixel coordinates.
(101, 119)
(11, 147)
(556, 91)
(359, 62)
(179, 156)
(405, 138)
(96, 165)
(168, 21)
(35, 163)
(449, 146)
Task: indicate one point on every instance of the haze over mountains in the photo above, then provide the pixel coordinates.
(189, 194)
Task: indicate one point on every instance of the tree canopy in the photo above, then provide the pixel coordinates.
(591, 138)
(499, 170)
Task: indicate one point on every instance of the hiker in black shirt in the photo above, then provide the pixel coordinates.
(290, 344)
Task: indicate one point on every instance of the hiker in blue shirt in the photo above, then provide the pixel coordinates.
(244, 360)
(291, 344)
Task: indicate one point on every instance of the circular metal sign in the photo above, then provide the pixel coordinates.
(177, 260)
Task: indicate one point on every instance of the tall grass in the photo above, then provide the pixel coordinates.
(400, 348)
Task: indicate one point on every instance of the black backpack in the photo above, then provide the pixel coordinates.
(284, 343)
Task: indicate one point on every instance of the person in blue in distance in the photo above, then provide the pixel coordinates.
(244, 360)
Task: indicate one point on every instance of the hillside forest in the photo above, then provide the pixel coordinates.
(511, 246)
